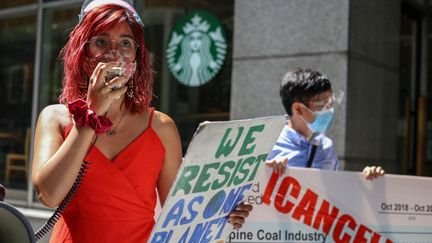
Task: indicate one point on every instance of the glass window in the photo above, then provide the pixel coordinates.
(17, 49)
(406, 94)
(15, 3)
(428, 142)
(414, 121)
(57, 26)
(188, 106)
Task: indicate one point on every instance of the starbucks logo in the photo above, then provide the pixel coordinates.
(196, 48)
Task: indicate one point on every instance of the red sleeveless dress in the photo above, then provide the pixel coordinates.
(116, 200)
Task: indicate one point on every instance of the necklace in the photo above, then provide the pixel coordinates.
(113, 131)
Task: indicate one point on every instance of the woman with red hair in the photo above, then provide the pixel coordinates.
(105, 120)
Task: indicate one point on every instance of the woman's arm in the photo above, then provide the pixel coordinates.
(56, 162)
(168, 133)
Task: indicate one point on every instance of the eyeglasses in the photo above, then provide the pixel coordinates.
(102, 44)
(319, 105)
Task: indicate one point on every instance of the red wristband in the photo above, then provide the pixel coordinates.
(83, 117)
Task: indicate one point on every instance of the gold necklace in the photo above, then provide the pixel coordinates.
(113, 131)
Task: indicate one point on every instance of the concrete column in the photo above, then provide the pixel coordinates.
(373, 84)
(355, 43)
(271, 37)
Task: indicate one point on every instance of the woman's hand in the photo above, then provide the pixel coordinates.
(238, 217)
(373, 172)
(101, 94)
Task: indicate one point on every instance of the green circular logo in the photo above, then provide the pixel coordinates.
(196, 48)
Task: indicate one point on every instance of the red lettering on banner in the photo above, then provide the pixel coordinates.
(286, 183)
(376, 237)
(360, 236)
(345, 228)
(324, 216)
(266, 198)
(306, 207)
(340, 225)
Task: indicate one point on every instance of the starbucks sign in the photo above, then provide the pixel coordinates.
(196, 48)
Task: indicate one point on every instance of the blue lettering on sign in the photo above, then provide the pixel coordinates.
(214, 204)
(208, 235)
(235, 196)
(198, 232)
(162, 237)
(174, 213)
(229, 202)
(222, 203)
(183, 239)
(204, 232)
(193, 213)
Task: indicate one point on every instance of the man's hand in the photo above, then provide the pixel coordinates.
(279, 165)
(238, 217)
(373, 172)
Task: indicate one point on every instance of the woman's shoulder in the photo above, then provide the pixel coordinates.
(57, 110)
(162, 122)
(55, 113)
(164, 126)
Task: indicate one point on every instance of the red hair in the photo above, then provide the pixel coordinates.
(78, 67)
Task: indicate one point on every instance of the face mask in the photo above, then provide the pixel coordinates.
(322, 122)
(126, 64)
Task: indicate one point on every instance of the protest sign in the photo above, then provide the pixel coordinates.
(218, 170)
(310, 205)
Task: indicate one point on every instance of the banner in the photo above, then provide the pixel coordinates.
(218, 170)
(310, 205)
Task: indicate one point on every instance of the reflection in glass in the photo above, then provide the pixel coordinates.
(428, 142)
(188, 106)
(408, 38)
(414, 123)
(15, 3)
(57, 26)
(17, 48)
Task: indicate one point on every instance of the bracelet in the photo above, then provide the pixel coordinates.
(83, 117)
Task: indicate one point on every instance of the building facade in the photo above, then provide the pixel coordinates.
(377, 52)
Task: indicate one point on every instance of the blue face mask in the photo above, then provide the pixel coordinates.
(322, 122)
